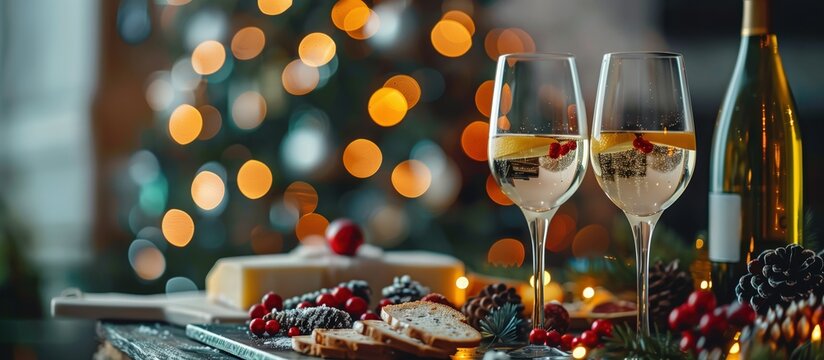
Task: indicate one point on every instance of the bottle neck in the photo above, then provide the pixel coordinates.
(756, 20)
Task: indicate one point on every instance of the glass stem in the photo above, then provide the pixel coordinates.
(642, 227)
(538, 227)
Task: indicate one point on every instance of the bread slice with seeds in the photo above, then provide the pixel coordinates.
(354, 341)
(383, 332)
(305, 344)
(434, 324)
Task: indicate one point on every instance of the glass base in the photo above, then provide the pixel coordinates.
(538, 352)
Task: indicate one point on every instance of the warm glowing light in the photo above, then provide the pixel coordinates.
(309, 225)
(506, 253)
(274, 7)
(149, 263)
(356, 18)
(462, 282)
(408, 86)
(362, 158)
(177, 227)
(494, 192)
(579, 352)
(208, 57)
(562, 229)
(299, 78)
(387, 107)
(411, 178)
(185, 124)
(462, 18)
(735, 348)
(207, 190)
(491, 43)
(515, 40)
(503, 123)
(592, 240)
(301, 196)
(212, 122)
(450, 38)
(342, 9)
(483, 97)
(248, 43)
(705, 285)
(254, 179)
(249, 110)
(588, 292)
(547, 279)
(316, 49)
(367, 30)
(816, 334)
(474, 140)
(699, 243)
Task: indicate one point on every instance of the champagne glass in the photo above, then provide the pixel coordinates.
(643, 145)
(537, 149)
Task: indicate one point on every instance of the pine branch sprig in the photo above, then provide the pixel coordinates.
(501, 325)
(626, 343)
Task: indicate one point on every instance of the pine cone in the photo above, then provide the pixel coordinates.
(359, 288)
(490, 298)
(404, 289)
(669, 286)
(780, 276)
(308, 319)
(790, 325)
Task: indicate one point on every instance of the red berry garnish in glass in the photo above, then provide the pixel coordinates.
(369, 315)
(272, 327)
(740, 315)
(564, 149)
(638, 142)
(326, 299)
(272, 301)
(602, 327)
(553, 338)
(687, 342)
(701, 301)
(257, 326)
(537, 336)
(554, 150)
(383, 303)
(590, 339)
(356, 306)
(572, 145)
(257, 311)
(712, 325)
(647, 148)
(304, 305)
(682, 318)
(293, 331)
(341, 294)
(566, 341)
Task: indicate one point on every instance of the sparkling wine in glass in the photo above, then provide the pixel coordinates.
(643, 145)
(538, 148)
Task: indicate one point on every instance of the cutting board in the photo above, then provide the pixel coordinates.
(235, 340)
(181, 308)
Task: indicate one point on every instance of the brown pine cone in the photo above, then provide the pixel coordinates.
(789, 326)
(490, 298)
(669, 286)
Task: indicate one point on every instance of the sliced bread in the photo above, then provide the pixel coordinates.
(435, 324)
(383, 332)
(305, 344)
(355, 342)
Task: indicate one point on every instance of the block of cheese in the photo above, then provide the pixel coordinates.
(241, 281)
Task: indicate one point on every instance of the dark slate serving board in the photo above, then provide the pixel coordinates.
(235, 339)
(156, 341)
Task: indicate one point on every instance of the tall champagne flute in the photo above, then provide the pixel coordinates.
(643, 145)
(537, 148)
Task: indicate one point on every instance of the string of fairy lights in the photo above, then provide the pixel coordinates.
(428, 175)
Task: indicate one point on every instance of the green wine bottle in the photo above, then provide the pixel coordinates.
(755, 171)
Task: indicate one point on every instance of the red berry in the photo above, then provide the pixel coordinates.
(740, 315)
(356, 306)
(344, 237)
(564, 149)
(701, 301)
(554, 150)
(437, 298)
(682, 318)
(590, 339)
(712, 325)
(687, 342)
(383, 303)
(553, 338)
(572, 145)
(272, 301)
(566, 341)
(326, 299)
(293, 331)
(272, 327)
(647, 148)
(257, 326)
(638, 143)
(304, 305)
(257, 311)
(537, 336)
(556, 316)
(602, 327)
(369, 315)
(575, 342)
(341, 294)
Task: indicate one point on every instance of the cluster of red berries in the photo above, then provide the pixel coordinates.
(341, 297)
(589, 339)
(705, 326)
(642, 145)
(258, 326)
(557, 150)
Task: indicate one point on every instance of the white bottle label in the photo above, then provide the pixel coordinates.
(725, 227)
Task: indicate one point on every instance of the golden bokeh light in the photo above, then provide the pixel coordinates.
(588, 292)
(248, 43)
(362, 158)
(450, 38)
(356, 18)
(491, 43)
(408, 86)
(254, 179)
(503, 123)
(411, 178)
(266, 241)
(462, 18)
(462, 282)
(302, 196)
(591, 240)
(208, 57)
(547, 279)
(316, 49)
(342, 9)
(274, 7)
(561, 232)
(149, 263)
(579, 352)
(493, 190)
(387, 106)
(369, 29)
(474, 140)
(506, 253)
(705, 284)
(483, 97)
(299, 78)
(185, 124)
(212, 122)
(515, 40)
(208, 190)
(178, 227)
(249, 110)
(309, 225)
